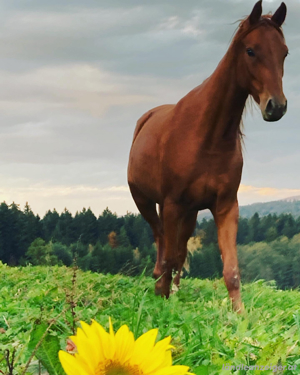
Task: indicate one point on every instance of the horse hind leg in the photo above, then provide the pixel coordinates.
(147, 208)
(158, 270)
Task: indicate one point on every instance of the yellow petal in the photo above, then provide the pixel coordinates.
(86, 350)
(168, 359)
(107, 341)
(124, 341)
(71, 365)
(143, 345)
(94, 341)
(164, 344)
(159, 357)
(111, 330)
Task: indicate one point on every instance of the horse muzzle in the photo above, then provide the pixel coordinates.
(274, 110)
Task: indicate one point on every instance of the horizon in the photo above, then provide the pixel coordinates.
(97, 214)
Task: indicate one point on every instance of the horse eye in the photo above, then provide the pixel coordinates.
(250, 52)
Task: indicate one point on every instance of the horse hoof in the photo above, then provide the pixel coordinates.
(157, 291)
(175, 288)
(239, 308)
(160, 291)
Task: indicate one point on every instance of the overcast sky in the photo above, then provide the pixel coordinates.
(76, 75)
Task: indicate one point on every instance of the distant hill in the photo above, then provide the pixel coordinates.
(289, 205)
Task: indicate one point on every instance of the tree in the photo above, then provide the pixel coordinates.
(89, 227)
(243, 231)
(98, 258)
(209, 231)
(11, 228)
(271, 234)
(64, 231)
(108, 222)
(112, 239)
(41, 254)
(31, 227)
(122, 238)
(255, 233)
(63, 253)
(49, 223)
(289, 229)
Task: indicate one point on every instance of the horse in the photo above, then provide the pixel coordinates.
(187, 157)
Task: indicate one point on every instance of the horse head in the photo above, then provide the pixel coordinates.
(260, 51)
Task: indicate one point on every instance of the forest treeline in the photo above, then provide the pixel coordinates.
(268, 246)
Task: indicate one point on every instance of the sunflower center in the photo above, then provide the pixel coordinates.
(115, 368)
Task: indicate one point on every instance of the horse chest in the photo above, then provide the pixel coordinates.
(201, 181)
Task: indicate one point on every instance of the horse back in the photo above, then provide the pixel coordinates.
(146, 116)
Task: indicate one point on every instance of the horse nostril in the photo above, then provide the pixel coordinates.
(274, 110)
(270, 107)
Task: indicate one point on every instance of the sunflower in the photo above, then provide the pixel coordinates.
(101, 353)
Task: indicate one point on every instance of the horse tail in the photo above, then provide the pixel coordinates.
(140, 123)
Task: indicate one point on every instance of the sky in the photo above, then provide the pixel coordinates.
(76, 75)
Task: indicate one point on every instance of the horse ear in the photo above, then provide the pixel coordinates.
(279, 16)
(256, 13)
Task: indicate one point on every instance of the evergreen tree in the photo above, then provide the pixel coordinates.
(49, 223)
(243, 231)
(271, 234)
(64, 232)
(89, 227)
(98, 259)
(289, 229)
(31, 226)
(255, 233)
(145, 242)
(4, 232)
(129, 221)
(12, 230)
(209, 231)
(122, 238)
(108, 222)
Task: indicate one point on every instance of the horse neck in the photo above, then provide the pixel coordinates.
(222, 102)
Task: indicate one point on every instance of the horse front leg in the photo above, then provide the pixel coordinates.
(187, 228)
(172, 219)
(226, 219)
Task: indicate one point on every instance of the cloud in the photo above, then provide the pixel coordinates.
(75, 77)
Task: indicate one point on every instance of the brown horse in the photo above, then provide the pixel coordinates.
(188, 156)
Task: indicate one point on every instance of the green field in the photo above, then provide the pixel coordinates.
(204, 330)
